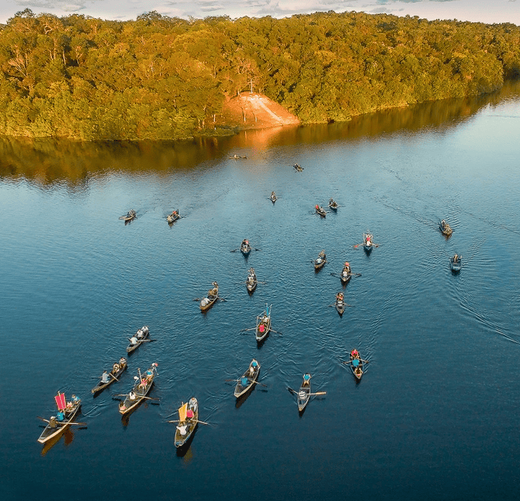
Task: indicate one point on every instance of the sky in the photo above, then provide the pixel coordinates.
(486, 11)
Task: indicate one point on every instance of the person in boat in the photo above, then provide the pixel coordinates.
(189, 415)
(443, 224)
(346, 267)
(122, 361)
(456, 258)
(143, 383)
(339, 296)
(131, 395)
(140, 334)
(105, 378)
(354, 354)
(213, 292)
(133, 340)
(306, 380)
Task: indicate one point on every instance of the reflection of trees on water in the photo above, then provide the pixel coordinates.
(47, 162)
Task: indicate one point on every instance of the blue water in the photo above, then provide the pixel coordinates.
(436, 413)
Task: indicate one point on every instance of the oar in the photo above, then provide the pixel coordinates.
(64, 424)
(255, 249)
(292, 391)
(234, 250)
(276, 332)
(46, 420)
(319, 393)
(111, 375)
(202, 422)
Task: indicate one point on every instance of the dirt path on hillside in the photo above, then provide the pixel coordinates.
(256, 111)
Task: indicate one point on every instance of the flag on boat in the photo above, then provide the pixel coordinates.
(183, 411)
(60, 401)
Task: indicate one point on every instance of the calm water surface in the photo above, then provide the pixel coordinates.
(436, 414)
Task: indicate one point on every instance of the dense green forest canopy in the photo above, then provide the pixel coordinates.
(167, 78)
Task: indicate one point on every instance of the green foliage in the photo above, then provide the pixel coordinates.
(166, 78)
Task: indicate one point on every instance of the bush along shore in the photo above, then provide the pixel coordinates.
(165, 78)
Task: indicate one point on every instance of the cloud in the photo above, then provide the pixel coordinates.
(63, 5)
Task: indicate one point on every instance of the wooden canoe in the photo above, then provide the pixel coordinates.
(207, 302)
(138, 339)
(141, 388)
(117, 369)
(247, 381)
(455, 266)
(304, 393)
(188, 421)
(320, 211)
(171, 218)
(245, 248)
(368, 242)
(251, 281)
(345, 276)
(333, 205)
(59, 423)
(263, 324)
(273, 197)
(130, 216)
(320, 261)
(445, 228)
(340, 304)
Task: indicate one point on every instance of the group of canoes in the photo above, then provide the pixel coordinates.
(132, 214)
(456, 260)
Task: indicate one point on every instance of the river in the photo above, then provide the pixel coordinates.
(436, 413)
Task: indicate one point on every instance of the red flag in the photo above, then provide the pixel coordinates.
(60, 401)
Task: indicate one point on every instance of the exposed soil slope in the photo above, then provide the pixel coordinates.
(256, 111)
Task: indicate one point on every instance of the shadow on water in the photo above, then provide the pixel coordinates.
(68, 437)
(242, 399)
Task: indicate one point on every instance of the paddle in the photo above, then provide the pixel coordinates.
(111, 375)
(292, 391)
(276, 332)
(318, 393)
(46, 420)
(64, 424)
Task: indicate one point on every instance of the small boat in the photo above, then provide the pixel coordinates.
(245, 248)
(368, 242)
(238, 157)
(171, 218)
(188, 420)
(64, 417)
(130, 216)
(346, 274)
(320, 261)
(445, 228)
(320, 211)
(207, 302)
(263, 324)
(251, 281)
(340, 303)
(138, 339)
(143, 385)
(109, 377)
(298, 168)
(356, 364)
(304, 393)
(456, 263)
(247, 381)
(333, 205)
(273, 197)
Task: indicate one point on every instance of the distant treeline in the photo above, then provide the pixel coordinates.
(167, 78)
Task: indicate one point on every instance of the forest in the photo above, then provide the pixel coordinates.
(163, 78)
